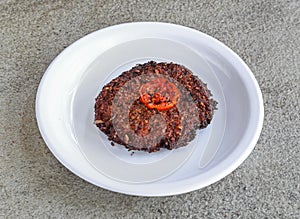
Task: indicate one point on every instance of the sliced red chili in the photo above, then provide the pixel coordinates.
(160, 94)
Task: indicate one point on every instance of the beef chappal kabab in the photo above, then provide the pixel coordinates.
(154, 106)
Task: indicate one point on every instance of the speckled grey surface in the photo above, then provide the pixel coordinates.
(266, 34)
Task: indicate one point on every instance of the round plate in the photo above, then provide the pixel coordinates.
(66, 96)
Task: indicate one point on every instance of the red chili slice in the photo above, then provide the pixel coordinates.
(160, 94)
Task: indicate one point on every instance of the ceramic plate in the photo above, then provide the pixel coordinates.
(65, 109)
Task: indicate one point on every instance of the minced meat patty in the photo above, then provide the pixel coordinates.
(153, 106)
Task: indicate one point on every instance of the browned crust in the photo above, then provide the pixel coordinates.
(180, 126)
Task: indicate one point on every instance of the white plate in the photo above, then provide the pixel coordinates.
(66, 95)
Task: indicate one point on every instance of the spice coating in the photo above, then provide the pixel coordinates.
(130, 115)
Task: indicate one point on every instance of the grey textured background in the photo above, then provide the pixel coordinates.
(266, 34)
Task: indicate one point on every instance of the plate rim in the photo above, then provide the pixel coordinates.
(187, 187)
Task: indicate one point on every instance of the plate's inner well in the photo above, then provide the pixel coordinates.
(140, 167)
